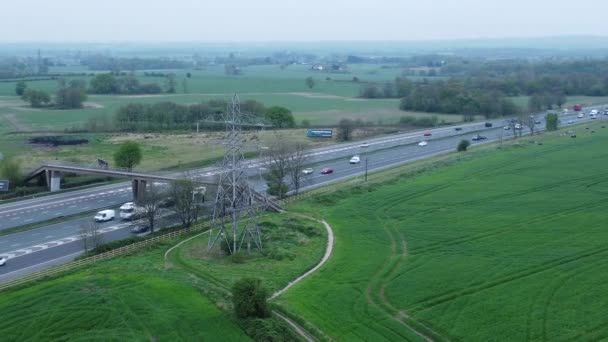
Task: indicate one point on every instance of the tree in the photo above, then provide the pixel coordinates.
(277, 156)
(188, 74)
(463, 145)
(70, 95)
(128, 155)
(280, 117)
(345, 129)
(249, 297)
(151, 204)
(104, 84)
(36, 98)
(20, 88)
(90, 236)
(310, 82)
(187, 202)
(10, 169)
(551, 121)
(170, 83)
(296, 163)
(531, 123)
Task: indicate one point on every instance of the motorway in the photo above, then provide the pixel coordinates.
(44, 246)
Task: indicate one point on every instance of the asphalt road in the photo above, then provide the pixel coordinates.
(45, 246)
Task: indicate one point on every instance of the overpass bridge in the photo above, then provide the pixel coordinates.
(53, 170)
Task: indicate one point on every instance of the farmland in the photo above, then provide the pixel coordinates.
(498, 244)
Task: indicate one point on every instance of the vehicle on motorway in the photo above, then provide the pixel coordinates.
(140, 229)
(355, 160)
(580, 115)
(307, 171)
(105, 215)
(2, 261)
(605, 111)
(427, 134)
(565, 110)
(458, 129)
(518, 126)
(570, 121)
(594, 112)
(537, 122)
(506, 128)
(593, 116)
(364, 145)
(423, 143)
(327, 171)
(488, 124)
(478, 138)
(577, 107)
(130, 211)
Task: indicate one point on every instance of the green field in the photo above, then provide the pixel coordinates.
(496, 245)
(125, 299)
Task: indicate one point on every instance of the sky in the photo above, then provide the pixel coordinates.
(295, 20)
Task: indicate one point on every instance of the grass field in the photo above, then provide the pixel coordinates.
(495, 245)
(129, 298)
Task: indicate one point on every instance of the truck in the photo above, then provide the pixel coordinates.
(130, 211)
(578, 108)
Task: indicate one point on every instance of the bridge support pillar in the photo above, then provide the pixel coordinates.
(138, 186)
(53, 180)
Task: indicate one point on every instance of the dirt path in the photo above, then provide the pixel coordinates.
(328, 250)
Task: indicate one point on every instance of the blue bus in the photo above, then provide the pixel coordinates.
(319, 133)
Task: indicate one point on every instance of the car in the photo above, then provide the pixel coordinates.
(478, 137)
(488, 124)
(606, 112)
(580, 115)
(364, 145)
(105, 215)
(355, 160)
(570, 121)
(506, 128)
(427, 134)
(518, 126)
(458, 129)
(140, 229)
(307, 171)
(423, 143)
(2, 260)
(537, 122)
(327, 171)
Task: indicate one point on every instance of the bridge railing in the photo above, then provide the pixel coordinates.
(96, 166)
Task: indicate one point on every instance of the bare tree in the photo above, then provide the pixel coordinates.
(295, 165)
(530, 122)
(277, 158)
(151, 204)
(90, 236)
(187, 198)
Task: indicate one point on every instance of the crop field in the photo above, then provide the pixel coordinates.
(493, 245)
(125, 299)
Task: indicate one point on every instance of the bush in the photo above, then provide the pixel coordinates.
(249, 298)
(463, 145)
(270, 329)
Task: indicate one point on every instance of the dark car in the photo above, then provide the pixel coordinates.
(478, 137)
(327, 171)
(458, 129)
(488, 124)
(140, 229)
(427, 134)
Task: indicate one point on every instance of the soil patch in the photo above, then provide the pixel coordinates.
(58, 140)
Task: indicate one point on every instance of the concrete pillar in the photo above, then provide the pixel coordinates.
(138, 186)
(134, 185)
(55, 183)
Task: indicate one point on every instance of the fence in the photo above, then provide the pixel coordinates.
(103, 256)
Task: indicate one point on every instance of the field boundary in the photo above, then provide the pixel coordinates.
(100, 257)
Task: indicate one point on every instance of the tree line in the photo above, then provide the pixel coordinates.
(101, 62)
(108, 83)
(166, 116)
(69, 95)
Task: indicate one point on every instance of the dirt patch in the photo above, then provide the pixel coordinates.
(58, 140)
(16, 124)
(319, 96)
(94, 105)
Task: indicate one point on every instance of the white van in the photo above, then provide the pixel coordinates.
(105, 215)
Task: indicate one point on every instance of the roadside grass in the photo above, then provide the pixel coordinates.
(291, 245)
(522, 101)
(495, 244)
(130, 298)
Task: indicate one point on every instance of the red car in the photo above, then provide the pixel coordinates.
(327, 171)
(427, 134)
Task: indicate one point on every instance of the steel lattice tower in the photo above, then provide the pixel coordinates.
(235, 212)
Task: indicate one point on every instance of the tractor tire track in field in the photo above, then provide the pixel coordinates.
(430, 302)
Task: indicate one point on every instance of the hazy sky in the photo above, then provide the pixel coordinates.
(291, 20)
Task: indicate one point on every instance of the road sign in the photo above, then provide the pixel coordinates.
(319, 133)
(3, 185)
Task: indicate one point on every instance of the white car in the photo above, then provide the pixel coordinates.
(364, 145)
(355, 160)
(506, 128)
(580, 115)
(307, 171)
(423, 143)
(2, 260)
(570, 121)
(105, 215)
(518, 126)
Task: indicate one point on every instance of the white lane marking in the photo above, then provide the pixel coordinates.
(14, 218)
(42, 263)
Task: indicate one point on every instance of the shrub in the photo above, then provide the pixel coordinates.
(249, 299)
(270, 330)
(463, 145)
